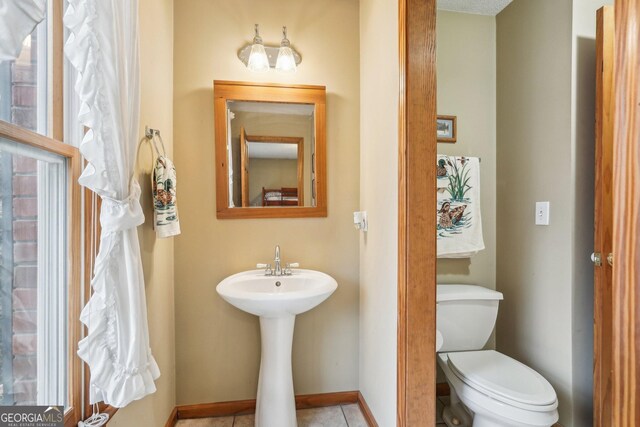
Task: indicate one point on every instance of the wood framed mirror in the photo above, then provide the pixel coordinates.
(270, 150)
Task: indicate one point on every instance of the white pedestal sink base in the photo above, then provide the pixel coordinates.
(276, 300)
(276, 405)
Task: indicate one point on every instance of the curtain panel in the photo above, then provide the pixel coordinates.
(18, 18)
(103, 48)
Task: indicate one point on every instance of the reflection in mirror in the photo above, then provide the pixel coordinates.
(271, 151)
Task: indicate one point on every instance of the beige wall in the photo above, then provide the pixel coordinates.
(535, 163)
(466, 61)
(217, 345)
(156, 63)
(379, 79)
(466, 66)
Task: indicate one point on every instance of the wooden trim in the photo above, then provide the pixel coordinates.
(262, 92)
(268, 85)
(626, 206)
(299, 141)
(603, 218)
(241, 407)
(306, 401)
(416, 227)
(401, 391)
(244, 168)
(268, 92)
(366, 412)
(173, 418)
(57, 64)
(74, 364)
(454, 138)
(281, 139)
(442, 389)
(272, 212)
(33, 139)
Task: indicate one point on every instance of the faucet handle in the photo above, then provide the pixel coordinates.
(289, 266)
(266, 268)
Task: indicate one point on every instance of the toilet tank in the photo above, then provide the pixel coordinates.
(466, 315)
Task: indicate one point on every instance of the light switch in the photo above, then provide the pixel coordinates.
(542, 213)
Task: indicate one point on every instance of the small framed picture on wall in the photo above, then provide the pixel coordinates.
(447, 129)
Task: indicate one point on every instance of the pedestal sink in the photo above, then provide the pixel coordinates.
(277, 300)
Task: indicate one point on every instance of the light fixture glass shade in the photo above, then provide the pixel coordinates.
(258, 60)
(286, 62)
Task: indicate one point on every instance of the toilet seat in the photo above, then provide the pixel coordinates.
(504, 379)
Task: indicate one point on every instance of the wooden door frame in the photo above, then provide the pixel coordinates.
(416, 374)
(626, 205)
(244, 169)
(602, 304)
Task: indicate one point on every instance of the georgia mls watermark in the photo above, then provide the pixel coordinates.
(31, 416)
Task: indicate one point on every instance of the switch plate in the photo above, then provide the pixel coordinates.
(542, 213)
(360, 221)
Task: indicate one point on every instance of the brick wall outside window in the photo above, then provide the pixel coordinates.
(25, 275)
(22, 240)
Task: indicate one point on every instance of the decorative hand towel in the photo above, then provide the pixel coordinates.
(164, 183)
(459, 223)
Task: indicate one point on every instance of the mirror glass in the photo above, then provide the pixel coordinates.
(271, 153)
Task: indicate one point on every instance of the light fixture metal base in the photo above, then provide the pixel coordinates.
(272, 55)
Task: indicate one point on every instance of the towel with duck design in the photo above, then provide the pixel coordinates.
(459, 221)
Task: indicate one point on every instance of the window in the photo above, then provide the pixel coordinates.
(24, 95)
(40, 227)
(33, 275)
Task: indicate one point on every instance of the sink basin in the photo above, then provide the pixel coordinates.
(276, 300)
(255, 293)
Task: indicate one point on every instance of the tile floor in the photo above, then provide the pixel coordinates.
(331, 416)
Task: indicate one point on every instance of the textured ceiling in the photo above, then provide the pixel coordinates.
(480, 7)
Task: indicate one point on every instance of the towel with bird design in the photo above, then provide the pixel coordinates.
(459, 221)
(164, 183)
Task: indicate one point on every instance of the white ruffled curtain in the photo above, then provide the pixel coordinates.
(18, 18)
(103, 48)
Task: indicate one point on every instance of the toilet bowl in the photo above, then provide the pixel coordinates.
(498, 390)
(488, 388)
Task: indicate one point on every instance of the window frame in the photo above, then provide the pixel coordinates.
(73, 412)
(75, 259)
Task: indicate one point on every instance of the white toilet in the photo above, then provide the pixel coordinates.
(488, 389)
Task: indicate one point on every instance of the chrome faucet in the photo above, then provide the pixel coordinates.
(278, 268)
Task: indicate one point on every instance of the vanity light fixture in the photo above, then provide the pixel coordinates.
(258, 57)
(286, 61)
(258, 60)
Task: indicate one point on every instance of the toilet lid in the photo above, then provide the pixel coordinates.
(502, 377)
